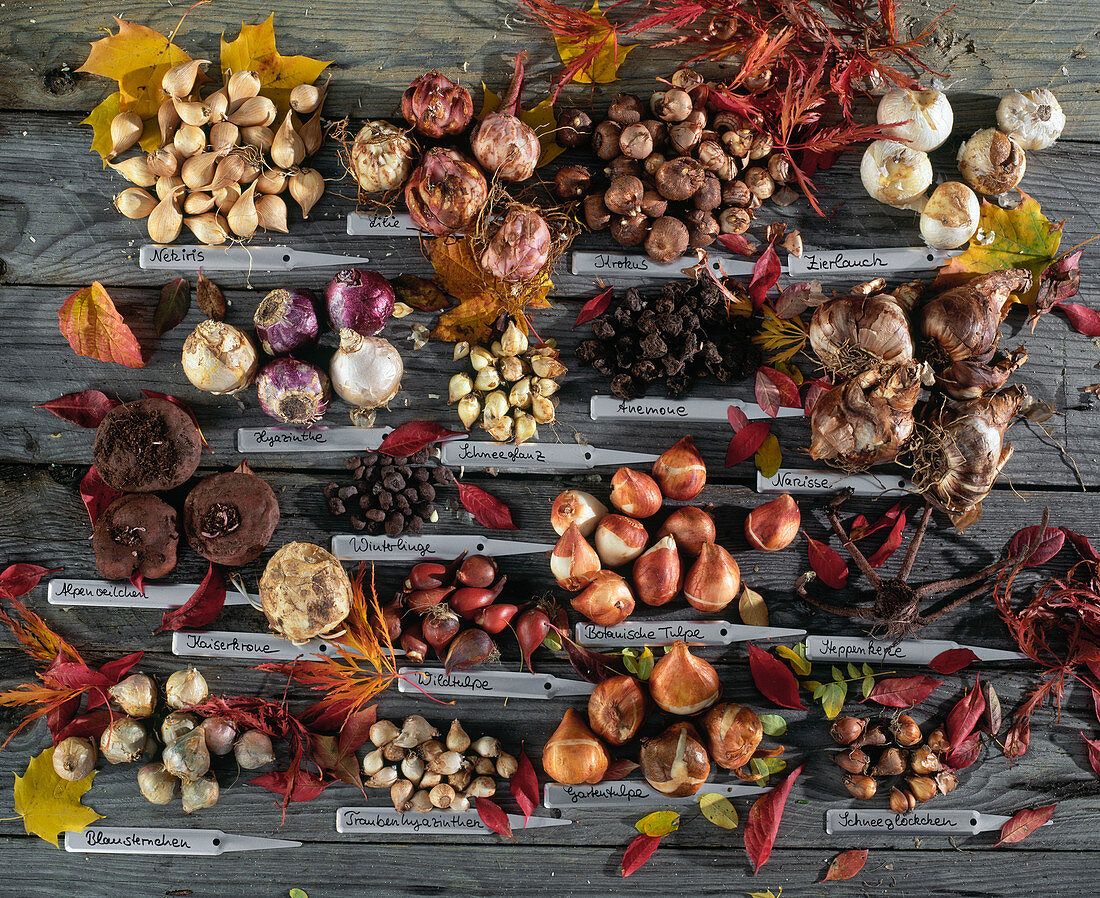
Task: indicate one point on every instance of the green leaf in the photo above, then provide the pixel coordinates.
(810, 684)
(832, 699)
(820, 690)
(773, 725)
(552, 642)
(868, 685)
(853, 671)
(645, 664)
(298, 893)
(838, 675)
(796, 657)
(868, 671)
(759, 771)
(719, 810)
(630, 660)
(658, 824)
(175, 301)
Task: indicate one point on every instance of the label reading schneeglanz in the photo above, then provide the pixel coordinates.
(890, 822)
(163, 254)
(860, 649)
(370, 820)
(95, 838)
(489, 452)
(842, 261)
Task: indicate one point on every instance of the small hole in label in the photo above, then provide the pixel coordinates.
(715, 265)
(481, 547)
(723, 631)
(322, 647)
(931, 257)
(973, 821)
(547, 686)
(587, 456)
(217, 842)
(286, 257)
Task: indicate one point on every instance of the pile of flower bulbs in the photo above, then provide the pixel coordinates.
(224, 162)
(508, 390)
(425, 774)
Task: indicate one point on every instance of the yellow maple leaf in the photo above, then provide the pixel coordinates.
(50, 805)
(603, 67)
(541, 118)
(1007, 238)
(99, 120)
(254, 50)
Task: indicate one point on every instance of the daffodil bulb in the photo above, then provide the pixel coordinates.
(1034, 118)
(950, 217)
(925, 117)
(895, 174)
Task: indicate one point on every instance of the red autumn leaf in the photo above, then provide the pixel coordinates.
(767, 393)
(115, 669)
(90, 322)
(493, 817)
(1024, 823)
(738, 243)
(61, 716)
(91, 724)
(736, 417)
(890, 545)
(486, 508)
(73, 675)
(594, 308)
(965, 753)
(96, 494)
(813, 390)
(153, 394)
(773, 678)
(1096, 703)
(1081, 543)
(861, 529)
(764, 817)
(1022, 540)
(845, 865)
(952, 661)
(203, 606)
(964, 717)
(765, 275)
(1081, 318)
(778, 388)
(413, 436)
(356, 729)
(137, 580)
(746, 442)
(1094, 753)
(619, 769)
(1017, 739)
(524, 786)
(827, 563)
(86, 409)
(293, 785)
(903, 692)
(638, 852)
(18, 579)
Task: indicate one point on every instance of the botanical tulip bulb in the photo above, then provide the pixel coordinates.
(682, 683)
(675, 763)
(733, 733)
(607, 600)
(573, 754)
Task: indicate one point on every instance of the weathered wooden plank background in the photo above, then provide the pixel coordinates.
(58, 231)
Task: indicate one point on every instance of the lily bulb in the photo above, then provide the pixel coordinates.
(894, 174)
(950, 217)
(925, 116)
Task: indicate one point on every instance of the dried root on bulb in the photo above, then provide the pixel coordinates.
(852, 333)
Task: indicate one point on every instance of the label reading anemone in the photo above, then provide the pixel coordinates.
(651, 408)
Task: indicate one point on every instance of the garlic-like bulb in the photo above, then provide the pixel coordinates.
(991, 162)
(366, 371)
(381, 157)
(1034, 118)
(219, 358)
(893, 173)
(925, 115)
(950, 217)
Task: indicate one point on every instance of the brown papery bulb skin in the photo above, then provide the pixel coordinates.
(606, 600)
(682, 683)
(963, 324)
(576, 507)
(680, 472)
(617, 709)
(619, 539)
(504, 145)
(852, 332)
(774, 525)
(675, 763)
(446, 192)
(713, 581)
(573, 754)
(520, 248)
(658, 575)
(436, 107)
(635, 493)
(690, 527)
(574, 563)
(733, 733)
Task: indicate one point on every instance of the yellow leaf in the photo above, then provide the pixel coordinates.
(719, 810)
(603, 67)
(769, 456)
(94, 328)
(797, 660)
(541, 118)
(752, 608)
(50, 805)
(833, 700)
(659, 823)
(99, 120)
(137, 58)
(1007, 238)
(767, 894)
(254, 50)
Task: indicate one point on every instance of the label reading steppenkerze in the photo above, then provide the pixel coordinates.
(858, 648)
(380, 820)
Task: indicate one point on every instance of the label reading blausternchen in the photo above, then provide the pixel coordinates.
(116, 838)
(369, 820)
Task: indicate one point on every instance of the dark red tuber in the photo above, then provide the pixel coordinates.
(136, 534)
(147, 445)
(229, 518)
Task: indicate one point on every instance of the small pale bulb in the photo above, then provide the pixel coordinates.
(894, 174)
(926, 114)
(950, 216)
(991, 162)
(1034, 118)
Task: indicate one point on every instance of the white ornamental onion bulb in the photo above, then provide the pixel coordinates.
(381, 157)
(895, 174)
(950, 217)
(1034, 118)
(219, 358)
(926, 114)
(366, 371)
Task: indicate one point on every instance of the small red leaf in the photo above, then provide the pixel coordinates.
(1094, 753)
(1081, 543)
(619, 769)
(638, 852)
(964, 717)
(965, 753)
(890, 545)
(1023, 824)
(203, 606)
(115, 669)
(783, 385)
(594, 308)
(903, 692)
(814, 390)
(738, 243)
(952, 661)
(1081, 318)
(765, 275)
(1022, 540)
(356, 729)
(96, 494)
(767, 393)
(413, 436)
(85, 409)
(18, 579)
(137, 580)
(736, 417)
(73, 675)
(845, 865)
(524, 786)
(827, 563)
(764, 817)
(91, 724)
(493, 817)
(746, 442)
(293, 785)
(773, 678)
(1017, 739)
(486, 508)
